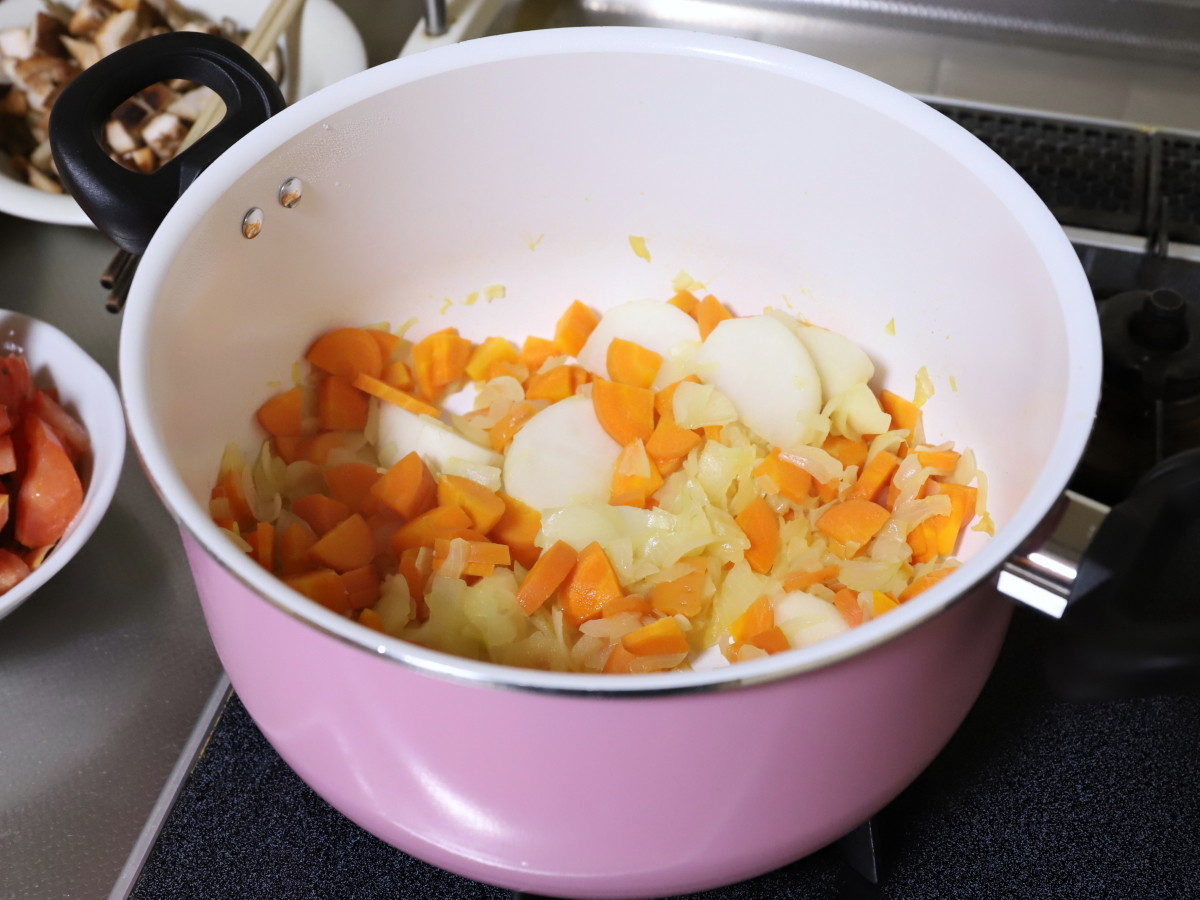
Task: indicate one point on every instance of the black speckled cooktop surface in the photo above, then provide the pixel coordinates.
(1033, 798)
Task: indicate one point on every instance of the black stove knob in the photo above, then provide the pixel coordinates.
(1161, 323)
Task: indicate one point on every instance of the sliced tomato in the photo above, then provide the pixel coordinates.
(13, 570)
(8, 456)
(74, 435)
(16, 384)
(51, 492)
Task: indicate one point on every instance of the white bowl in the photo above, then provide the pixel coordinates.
(330, 50)
(85, 391)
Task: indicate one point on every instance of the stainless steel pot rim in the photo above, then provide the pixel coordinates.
(1083, 345)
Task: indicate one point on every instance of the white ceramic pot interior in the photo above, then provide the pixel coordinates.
(527, 161)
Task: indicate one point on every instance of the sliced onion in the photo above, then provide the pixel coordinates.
(816, 462)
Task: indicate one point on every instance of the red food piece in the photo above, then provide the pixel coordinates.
(12, 571)
(51, 493)
(16, 384)
(6, 424)
(8, 456)
(75, 436)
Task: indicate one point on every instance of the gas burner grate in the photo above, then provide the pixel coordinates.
(1177, 164)
(1090, 175)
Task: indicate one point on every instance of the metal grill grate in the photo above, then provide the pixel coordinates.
(1177, 167)
(1090, 175)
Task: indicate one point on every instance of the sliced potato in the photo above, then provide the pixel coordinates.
(402, 432)
(764, 370)
(562, 455)
(651, 324)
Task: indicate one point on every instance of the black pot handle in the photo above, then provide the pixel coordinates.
(1132, 627)
(129, 206)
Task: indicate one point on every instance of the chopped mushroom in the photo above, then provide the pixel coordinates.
(40, 60)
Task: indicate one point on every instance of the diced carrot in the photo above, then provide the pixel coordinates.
(482, 555)
(962, 510)
(827, 490)
(389, 394)
(670, 441)
(632, 490)
(630, 363)
(802, 581)
(709, 314)
(847, 452)
(416, 565)
(683, 595)
(470, 535)
(624, 411)
(535, 352)
(551, 570)
(295, 542)
(656, 639)
(712, 433)
(846, 602)
(493, 350)
(324, 586)
(924, 583)
(668, 466)
(8, 455)
(591, 583)
(853, 521)
(686, 301)
(362, 587)
(340, 407)
(50, 493)
(517, 529)
(423, 530)
(231, 484)
(347, 353)
(316, 448)
(408, 488)
(773, 640)
(321, 513)
(938, 459)
(501, 434)
(281, 414)
(74, 435)
(633, 603)
(397, 375)
(13, 570)
(348, 545)
(387, 342)
(757, 618)
(352, 482)
(264, 546)
(893, 494)
(439, 359)
(370, 619)
(618, 661)
(556, 384)
(483, 506)
(760, 525)
(572, 330)
(881, 603)
(904, 414)
(923, 541)
(664, 400)
(290, 448)
(878, 472)
(790, 480)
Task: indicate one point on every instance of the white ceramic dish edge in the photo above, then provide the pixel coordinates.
(1055, 249)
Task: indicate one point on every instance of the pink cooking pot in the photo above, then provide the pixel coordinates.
(527, 161)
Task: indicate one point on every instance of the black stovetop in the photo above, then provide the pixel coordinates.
(1033, 797)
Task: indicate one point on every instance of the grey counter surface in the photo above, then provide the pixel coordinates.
(104, 671)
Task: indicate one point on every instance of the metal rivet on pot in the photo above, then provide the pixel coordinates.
(290, 192)
(252, 223)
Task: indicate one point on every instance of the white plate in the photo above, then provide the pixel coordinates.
(330, 50)
(86, 391)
